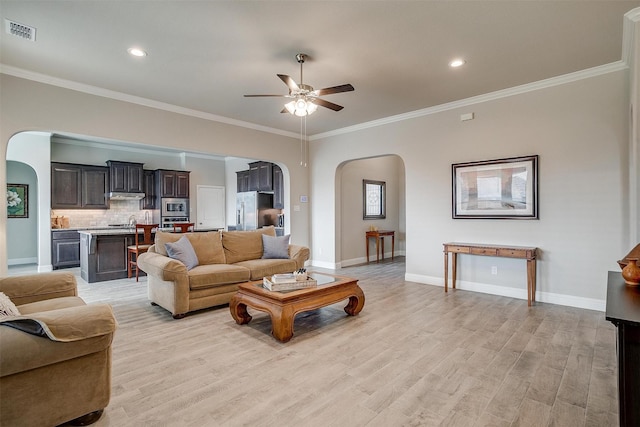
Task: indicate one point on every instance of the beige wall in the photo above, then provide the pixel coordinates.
(580, 132)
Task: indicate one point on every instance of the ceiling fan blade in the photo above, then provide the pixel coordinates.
(327, 104)
(334, 89)
(293, 86)
(259, 96)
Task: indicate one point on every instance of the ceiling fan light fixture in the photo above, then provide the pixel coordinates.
(301, 107)
(457, 63)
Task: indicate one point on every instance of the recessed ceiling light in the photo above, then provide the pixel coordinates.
(135, 51)
(457, 63)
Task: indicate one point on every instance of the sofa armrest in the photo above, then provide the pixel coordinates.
(299, 253)
(160, 266)
(38, 287)
(69, 333)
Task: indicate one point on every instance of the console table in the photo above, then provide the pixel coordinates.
(379, 236)
(522, 252)
(623, 310)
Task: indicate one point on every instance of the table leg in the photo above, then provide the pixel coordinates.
(356, 303)
(282, 323)
(367, 242)
(454, 269)
(382, 247)
(377, 249)
(531, 281)
(446, 271)
(239, 311)
(393, 245)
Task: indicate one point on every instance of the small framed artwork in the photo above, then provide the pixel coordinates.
(17, 201)
(496, 189)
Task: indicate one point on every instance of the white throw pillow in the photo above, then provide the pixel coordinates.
(7, 307)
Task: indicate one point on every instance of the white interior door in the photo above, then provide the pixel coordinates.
(211, 207)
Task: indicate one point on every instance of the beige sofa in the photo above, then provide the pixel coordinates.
(225, 258)
(55, 356)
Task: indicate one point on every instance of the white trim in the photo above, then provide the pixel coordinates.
(546, 297)
(491, 96)
(45, 268)
(323, 264)
(106, 93)
(21, 261)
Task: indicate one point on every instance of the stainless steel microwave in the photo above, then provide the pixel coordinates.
(175, 207)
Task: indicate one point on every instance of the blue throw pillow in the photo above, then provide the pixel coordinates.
(275, 246)
(183, 252)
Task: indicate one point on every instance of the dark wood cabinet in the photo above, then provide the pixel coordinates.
(623, 310)
(278, 188)
(149, 188)
(126, 177)
(79, 186)
(95, 186)
(243, 181)
(260, 176)
(65, 249)
(172, 183)
(104, 257)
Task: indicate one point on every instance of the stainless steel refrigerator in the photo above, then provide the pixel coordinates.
(255, 210)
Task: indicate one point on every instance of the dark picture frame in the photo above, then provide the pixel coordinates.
(496, 189)
(374, 199)
(17, 200)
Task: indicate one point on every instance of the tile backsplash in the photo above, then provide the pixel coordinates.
(118, 213)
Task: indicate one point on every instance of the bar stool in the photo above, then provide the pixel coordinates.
(140, 247)
(183, 227)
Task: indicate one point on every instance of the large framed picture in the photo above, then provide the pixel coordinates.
(496, 189)
(17, 200)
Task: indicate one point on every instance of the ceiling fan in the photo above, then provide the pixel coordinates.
(305, 99)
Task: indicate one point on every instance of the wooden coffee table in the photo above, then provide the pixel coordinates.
(283, 306)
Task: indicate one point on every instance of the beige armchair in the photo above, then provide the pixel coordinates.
(55, 357)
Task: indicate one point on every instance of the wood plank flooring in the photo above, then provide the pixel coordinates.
(413, 357)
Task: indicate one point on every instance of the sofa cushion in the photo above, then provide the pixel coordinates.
(50, 304)
(183, 252)
(266, 267)
(274, 247)
(244, 245)
(207, 276)
(7, 307)
(207, 245)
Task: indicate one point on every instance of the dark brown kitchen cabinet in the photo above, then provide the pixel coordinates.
(172, 183)
(149, 187)
(126, 177)
(65, 249)
(243, 181)
(79, 186)
(278, 188)
(260, 176)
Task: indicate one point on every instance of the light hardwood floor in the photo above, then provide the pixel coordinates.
(413, 357)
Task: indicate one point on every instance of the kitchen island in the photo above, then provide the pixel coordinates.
(103, 253)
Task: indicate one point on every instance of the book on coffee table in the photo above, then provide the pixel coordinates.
(268, 283)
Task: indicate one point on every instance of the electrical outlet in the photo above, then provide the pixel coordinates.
(494, 270)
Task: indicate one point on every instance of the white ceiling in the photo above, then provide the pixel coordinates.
(204, 55)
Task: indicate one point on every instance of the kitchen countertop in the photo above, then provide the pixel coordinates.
(106, 231)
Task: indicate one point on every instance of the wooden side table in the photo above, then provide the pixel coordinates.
(522, 252)
(379, 236)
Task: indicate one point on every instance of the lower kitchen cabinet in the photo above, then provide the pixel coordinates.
(65, 249)
(104, 257)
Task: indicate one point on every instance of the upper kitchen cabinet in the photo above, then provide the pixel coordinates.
(79, 186)
(278, 188)
(260, 176)
(126, 177)
(149, 187)
(172, 183)
(243, 181)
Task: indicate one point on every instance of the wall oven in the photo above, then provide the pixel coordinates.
(175, 207)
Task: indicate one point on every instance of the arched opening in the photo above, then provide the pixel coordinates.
(351, 243)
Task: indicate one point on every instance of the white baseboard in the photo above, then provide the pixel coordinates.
(323, 264)
(547, 297)
(45, 268)
(21, 261)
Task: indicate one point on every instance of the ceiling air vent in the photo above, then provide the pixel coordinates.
(20, 30)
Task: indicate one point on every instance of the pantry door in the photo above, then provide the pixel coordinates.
(211, 207)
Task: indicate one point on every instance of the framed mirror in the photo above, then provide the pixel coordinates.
(374, 199)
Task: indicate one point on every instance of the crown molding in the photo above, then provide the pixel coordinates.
(119, 96)
(492, 96)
